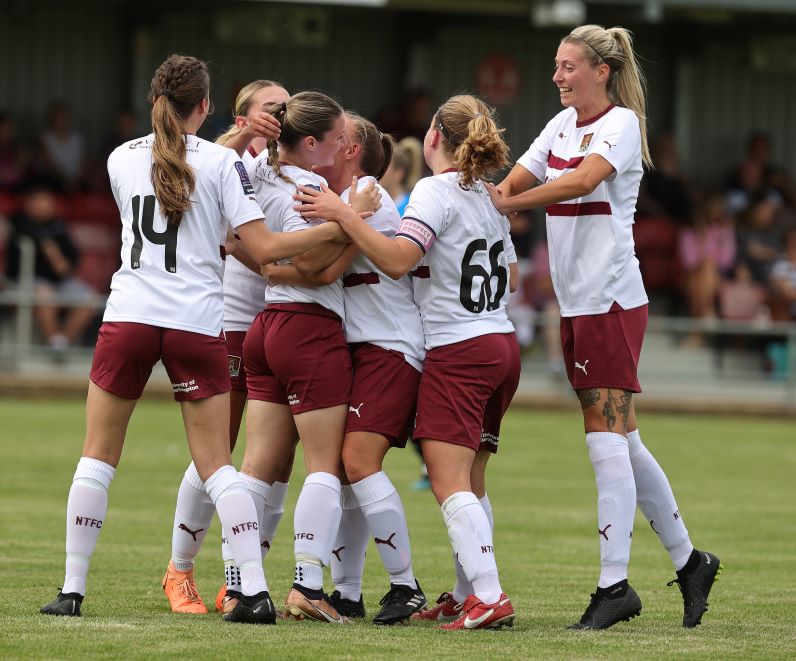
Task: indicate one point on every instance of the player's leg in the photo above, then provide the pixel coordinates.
(201, 362)
(696, 570)
(596, 354)
(122, 362)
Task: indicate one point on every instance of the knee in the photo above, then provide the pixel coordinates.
(358, 464)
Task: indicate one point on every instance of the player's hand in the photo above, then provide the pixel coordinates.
(263, 125)
(366, 201)
(267, 270)
(322, 204)
(496, 196)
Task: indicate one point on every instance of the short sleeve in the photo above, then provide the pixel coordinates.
(535, 159)
(237, 200)
(619, 140)
(511, 253)
(427, 213)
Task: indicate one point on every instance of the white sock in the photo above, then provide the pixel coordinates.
(192, 517)
(616, 503)
(347, 561)
(386, 519)
(315, 522)
(463, 585)
(471, 539)
(239, 519)
(85, 514)
(656, 500)
(272, 515)
(259, 491)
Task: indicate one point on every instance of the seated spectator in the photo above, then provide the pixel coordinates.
(759, 158)
(62, 148)
(13, 157)
(783, 281)
(759, 238)
(707, 251)
(56, 258)
(665, 190)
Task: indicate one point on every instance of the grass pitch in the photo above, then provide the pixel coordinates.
(733, 478)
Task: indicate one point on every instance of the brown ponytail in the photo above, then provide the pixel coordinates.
(178, 86)
(472, 138)
(377, 148)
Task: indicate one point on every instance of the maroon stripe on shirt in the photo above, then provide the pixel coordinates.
(354, 279)
(580, 209)
(422, 272)
(559, 163)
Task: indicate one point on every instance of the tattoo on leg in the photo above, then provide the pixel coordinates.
(625, 399)
(588, 397)
(608, 411)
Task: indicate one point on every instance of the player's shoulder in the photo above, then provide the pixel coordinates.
(619, 115)
(434, 185)
(132, 148)
(563, 118)
(302, 177)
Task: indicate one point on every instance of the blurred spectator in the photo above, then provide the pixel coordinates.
(13, 157)
(404, 171)
(783, 281)
(411, 117)
(665, 190)
(62, 148)
(125, 127)
(758, 165)
(707, 252)
(543, 299)
(759, 239)
(56, 259)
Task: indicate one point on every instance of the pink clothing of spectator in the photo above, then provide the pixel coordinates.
(715, 244)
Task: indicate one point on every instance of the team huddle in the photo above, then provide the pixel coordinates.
(274, 278)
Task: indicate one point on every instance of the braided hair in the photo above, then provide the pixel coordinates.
(180, 83)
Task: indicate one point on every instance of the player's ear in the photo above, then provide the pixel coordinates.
(241, 122)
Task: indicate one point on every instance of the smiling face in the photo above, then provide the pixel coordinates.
(580, 84)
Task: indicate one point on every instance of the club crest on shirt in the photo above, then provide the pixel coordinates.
(584, 144)
(248, 189)
(234, 365)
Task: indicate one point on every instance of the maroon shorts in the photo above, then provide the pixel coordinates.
(602, 350)
(237, 372)
(384, 393)
(296, 354)
(466, 388)
(126, 352)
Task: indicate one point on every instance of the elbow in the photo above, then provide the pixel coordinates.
(303, 267)
(395, 273)
(325, 278)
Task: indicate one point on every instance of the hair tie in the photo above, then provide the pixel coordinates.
(477, 115)
(444, 130)
(282, 108)
(381, 136)
(168, 94)
(599, 54)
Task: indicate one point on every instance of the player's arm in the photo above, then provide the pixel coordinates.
(579, 182)
(395, 257)
(519, 180)
(287, 274)
(266, 246)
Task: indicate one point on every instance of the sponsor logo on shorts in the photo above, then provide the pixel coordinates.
(353, 409)
(486, 437)
(582, 367)
(185, 386)
(234, 365)
(293, 399)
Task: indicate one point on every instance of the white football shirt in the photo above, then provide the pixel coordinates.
(275, 196)
(378, 309)
(590, 239)
(462, 283)
(171, 276)
(244, 290)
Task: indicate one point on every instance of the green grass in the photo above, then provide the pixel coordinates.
(734, 480)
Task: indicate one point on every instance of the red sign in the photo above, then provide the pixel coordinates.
(497, 79)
